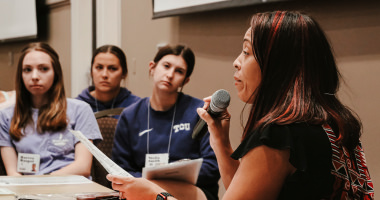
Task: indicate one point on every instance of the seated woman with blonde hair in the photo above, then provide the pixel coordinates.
(35, 135)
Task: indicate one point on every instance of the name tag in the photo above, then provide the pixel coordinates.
(152, 160)
(28, 163)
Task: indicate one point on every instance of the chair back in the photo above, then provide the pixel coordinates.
(107, 125)
(108, 112)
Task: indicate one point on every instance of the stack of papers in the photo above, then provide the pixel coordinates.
(183, 170)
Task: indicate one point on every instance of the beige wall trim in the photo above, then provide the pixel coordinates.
(108, 22)
(81, 44)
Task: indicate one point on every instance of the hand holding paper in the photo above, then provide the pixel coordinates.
(110, 166)
(182, 170)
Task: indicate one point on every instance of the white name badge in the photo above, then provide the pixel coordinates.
(152, 160)
(29, 163)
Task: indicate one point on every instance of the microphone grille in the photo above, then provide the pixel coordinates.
(220, 100)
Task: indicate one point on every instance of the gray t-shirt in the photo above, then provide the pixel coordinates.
(56, 149)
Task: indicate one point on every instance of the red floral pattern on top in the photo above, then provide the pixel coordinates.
(352, 179)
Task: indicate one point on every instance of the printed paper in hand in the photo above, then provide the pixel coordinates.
(183, 170)
(110, 166)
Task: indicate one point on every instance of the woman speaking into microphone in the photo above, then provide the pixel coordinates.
(300, 141)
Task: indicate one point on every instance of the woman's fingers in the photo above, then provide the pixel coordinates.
(204, 115)
(207, 101)
(119, 180)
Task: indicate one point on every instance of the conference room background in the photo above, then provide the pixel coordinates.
(74, 28)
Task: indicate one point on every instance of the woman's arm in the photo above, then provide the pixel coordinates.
(142, 189)
(227, 165)
(81, 165)
(261, 174)
(9, 156)
(82, 119)
(220, 142)
(209, 174)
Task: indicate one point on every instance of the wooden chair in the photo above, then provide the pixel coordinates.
(107, 125)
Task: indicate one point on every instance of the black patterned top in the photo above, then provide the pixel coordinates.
(322, 164)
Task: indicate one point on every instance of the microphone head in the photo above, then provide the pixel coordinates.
(220, 100)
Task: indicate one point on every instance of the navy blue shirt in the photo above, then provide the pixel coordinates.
(123, 99)
(130, 142)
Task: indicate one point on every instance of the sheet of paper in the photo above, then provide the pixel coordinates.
(186, 170)
(6, 192)
(110, 166)
(43, 180)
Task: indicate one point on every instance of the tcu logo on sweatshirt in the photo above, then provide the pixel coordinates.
(181, 127)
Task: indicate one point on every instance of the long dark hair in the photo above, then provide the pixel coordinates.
(300, 78)
(52, 116)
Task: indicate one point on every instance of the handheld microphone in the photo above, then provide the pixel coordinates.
(219, 102)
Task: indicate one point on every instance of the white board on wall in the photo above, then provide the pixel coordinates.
(18, 20)
(166, 5)
(167, 8)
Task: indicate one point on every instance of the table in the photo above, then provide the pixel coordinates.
(43, 187)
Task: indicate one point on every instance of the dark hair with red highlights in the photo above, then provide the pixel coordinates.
(52, 116)
(299, 76)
